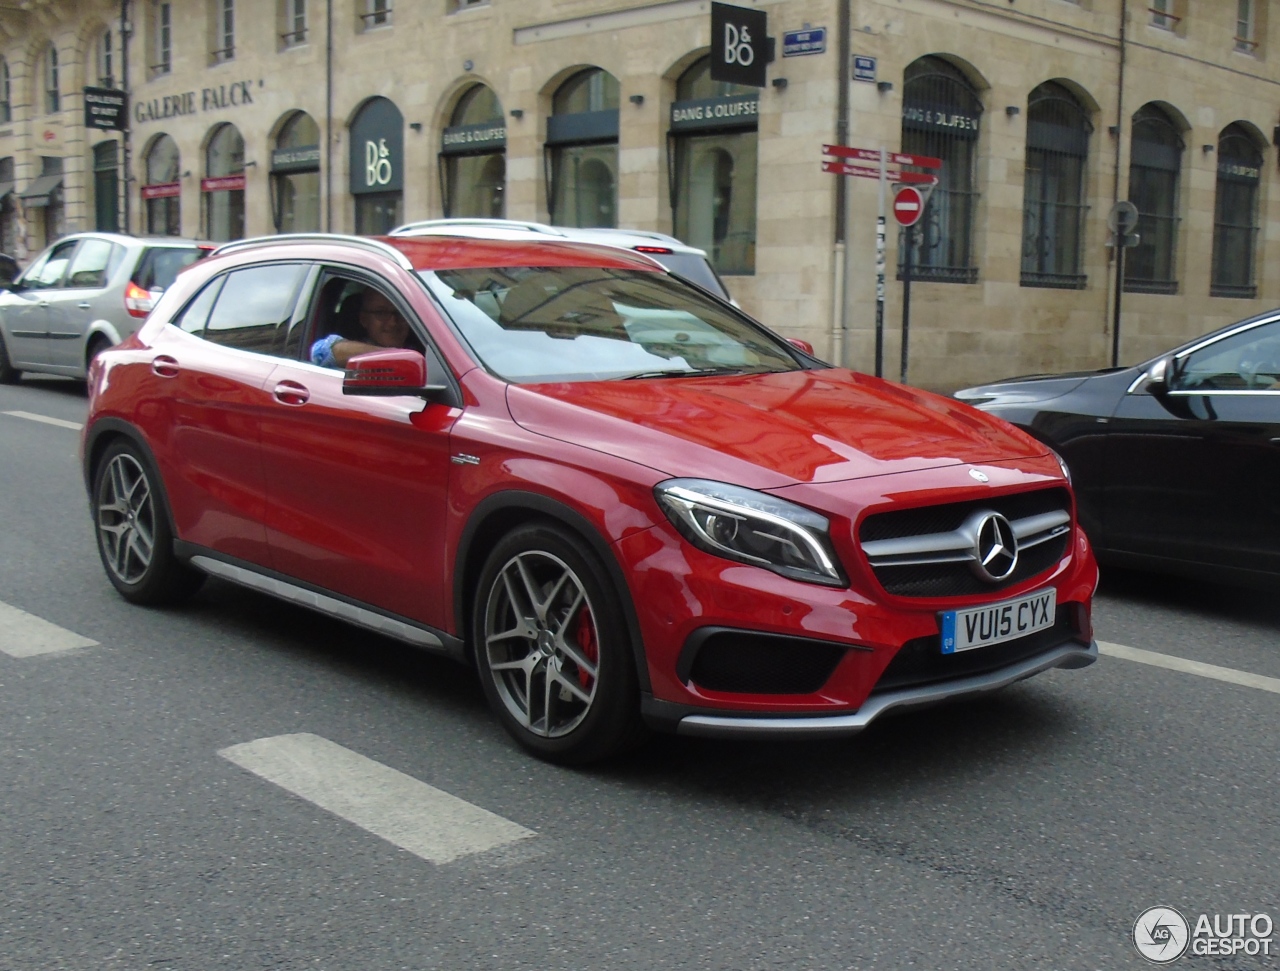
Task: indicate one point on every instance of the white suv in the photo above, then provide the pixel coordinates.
(685, 261)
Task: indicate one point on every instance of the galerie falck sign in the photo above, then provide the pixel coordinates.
(739, 45)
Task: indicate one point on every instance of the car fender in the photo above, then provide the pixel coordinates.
(104, 327)
(511, 505)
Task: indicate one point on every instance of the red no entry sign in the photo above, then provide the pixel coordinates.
(908, 206)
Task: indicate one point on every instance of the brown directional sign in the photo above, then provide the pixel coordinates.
(873, 155)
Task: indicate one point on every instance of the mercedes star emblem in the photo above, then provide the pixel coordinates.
(995, 549)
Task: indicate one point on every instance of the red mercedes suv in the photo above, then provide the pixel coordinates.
(621, 499)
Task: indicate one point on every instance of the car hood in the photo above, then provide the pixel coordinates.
(1031, 387)
(768, 430)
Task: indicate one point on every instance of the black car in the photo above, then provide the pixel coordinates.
(1176, 462)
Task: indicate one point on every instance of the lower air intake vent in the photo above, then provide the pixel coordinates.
(748, 662)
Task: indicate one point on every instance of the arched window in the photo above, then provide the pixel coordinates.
(162, 193)
(1155, 166)
(52, 96)
(106, 187)
(941, 117)
(582, 151)
(295, 176)
(1235, 215)
(103, 67)
(715, 161)
(223, 185)
(377, 166)
(1053, 206)
(6, 97)
(473, 160)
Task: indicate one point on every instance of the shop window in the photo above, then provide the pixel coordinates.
(1053, 202)
(473, 161)
(224, 31)
(8, 209)
(161, 38)
(293, 23)
(6, 102)
(582, 151)
(223, 186)
(52, 95)
(941, 118)
(377, 166)
(1235, 215)
(714, 160)
(295, 176)
(375, 13)
(163, 191)
(1155, 168)
(106, 187)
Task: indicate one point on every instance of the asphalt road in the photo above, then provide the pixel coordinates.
(1027, 830)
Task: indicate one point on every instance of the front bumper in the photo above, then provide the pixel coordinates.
(823, 726)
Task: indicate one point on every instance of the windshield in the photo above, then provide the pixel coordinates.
(532, 324)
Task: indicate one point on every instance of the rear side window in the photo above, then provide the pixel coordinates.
(160, 265)
(94, 262)
(193, 319)
(253, 309)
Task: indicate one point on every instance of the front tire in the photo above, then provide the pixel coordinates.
(553, 650)
(135, 537)
(8, 373)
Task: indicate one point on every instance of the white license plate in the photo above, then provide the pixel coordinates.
(963, 630)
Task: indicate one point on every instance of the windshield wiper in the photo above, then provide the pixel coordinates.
(692, 373)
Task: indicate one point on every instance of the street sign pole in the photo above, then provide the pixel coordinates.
(1121, 220)
(880, 233)
(906, 299)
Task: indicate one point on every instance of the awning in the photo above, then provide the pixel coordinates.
(38, 192)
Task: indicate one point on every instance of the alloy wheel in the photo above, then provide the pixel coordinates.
(126, 519)
(542, 643)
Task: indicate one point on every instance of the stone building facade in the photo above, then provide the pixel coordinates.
(251, 117)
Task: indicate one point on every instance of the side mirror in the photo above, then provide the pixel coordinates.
(1158, 376)
(390, 372)
(802, 345)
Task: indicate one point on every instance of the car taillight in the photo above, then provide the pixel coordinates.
(137, 300)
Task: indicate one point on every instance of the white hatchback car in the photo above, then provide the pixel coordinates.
(687, 262)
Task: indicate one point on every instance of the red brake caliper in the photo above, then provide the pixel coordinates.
(584, 632)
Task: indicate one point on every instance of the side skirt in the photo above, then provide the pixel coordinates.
(418, 635)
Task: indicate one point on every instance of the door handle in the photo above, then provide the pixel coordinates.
(83, 306)
(291, 393)
(165, 366)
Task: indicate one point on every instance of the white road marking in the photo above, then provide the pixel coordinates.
(426, 821)
(25, 635)
(1230, 675)
(30, 416)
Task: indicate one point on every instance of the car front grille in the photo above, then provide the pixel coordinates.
(921, 661)
(930, 551)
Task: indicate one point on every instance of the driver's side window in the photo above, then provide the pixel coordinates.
(1247, 361)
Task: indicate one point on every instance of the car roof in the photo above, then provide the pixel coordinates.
(518, 229)
(446, 252)
(128, 239)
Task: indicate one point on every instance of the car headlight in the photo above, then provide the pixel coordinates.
(1062, 463)
(752, 527)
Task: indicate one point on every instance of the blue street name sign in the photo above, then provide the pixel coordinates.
(864, 68)
(797, 42)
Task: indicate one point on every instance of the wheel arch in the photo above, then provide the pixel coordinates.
(101, 437)
(497, 515)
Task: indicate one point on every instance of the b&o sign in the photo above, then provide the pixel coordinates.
(739, 45)
(377, 148)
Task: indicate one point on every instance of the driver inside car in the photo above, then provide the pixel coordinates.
(383, 327)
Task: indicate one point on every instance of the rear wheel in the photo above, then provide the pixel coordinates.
(135, 538)
(96, 346)
(8, 373)
(553, 649)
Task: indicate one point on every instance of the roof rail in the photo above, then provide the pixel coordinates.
(376, 245)
(507, 224)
